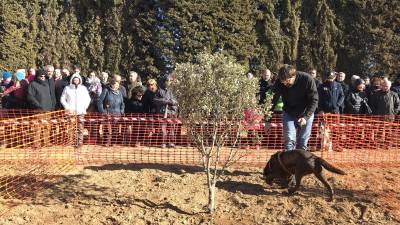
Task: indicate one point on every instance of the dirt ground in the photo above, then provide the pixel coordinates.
(166, 194)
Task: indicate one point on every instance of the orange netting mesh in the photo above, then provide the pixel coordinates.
(35, 147)
(148, 138)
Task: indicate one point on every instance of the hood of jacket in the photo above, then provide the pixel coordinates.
(75, 75)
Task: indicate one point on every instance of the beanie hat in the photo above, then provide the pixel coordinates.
(20, 75)
(7, 75)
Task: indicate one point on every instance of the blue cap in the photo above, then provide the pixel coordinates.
(7, 75)
(20, 75)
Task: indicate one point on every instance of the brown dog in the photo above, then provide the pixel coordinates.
(299, 163)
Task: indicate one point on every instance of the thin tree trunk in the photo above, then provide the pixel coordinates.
(211, 197)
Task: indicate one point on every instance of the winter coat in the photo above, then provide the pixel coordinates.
(299, 100)
(331, 97)
(41, 94)
(396, 88)
(357, 103)
(111, 102)
(134, 106)
(148, 102)
(75, 98)
(384, 103)
(165, 101)
(265, 88)
(16, 95)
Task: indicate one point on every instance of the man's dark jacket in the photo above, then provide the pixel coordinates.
(331, 97)
(41, 94)
(299, 100)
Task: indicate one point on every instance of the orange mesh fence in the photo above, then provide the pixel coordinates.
(149, 138)
(16, 113)
(34, 148)
(360, 139)
(146, 138)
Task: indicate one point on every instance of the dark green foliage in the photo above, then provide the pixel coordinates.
(151, 36)
(16, 42)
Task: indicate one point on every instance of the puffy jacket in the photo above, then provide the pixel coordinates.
(331, 97)
(41, 94)
(357, 103)
(164, 99)
(75, 98)
(384, 103)
(111, 101)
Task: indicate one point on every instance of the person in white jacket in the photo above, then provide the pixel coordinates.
(75, 99)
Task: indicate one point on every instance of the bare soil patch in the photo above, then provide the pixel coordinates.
(172, 194)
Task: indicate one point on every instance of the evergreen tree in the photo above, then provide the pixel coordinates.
(216, 26)
(67, 44)
(92, 43)
(151, 36)
(269, 35)
(47, 33)
(112, 36)
(15, 37)
(319, 36)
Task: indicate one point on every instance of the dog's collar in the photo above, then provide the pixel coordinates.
(280, 163)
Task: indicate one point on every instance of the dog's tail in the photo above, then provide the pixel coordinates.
(331, 168)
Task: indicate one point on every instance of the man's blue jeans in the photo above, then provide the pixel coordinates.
(289, 130)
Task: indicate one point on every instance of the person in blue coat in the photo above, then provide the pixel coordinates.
(111, 103)
(330, 93)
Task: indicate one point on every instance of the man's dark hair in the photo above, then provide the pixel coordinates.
(286, 72)
(137, 90)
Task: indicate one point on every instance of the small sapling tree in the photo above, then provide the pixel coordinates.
(213, 93)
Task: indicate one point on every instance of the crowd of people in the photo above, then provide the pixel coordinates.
(361, 95)
(297, 94)
(53, 89)
(56, 89)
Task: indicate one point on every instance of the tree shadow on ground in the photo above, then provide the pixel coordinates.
(147, 204)
(171, 168)
(74, 190)
(304, 191)
(245, 188)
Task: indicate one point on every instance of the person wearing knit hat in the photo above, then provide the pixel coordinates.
(7, 81)
(16, 92)
(20, 75)
(41, 93)
(7, 75)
